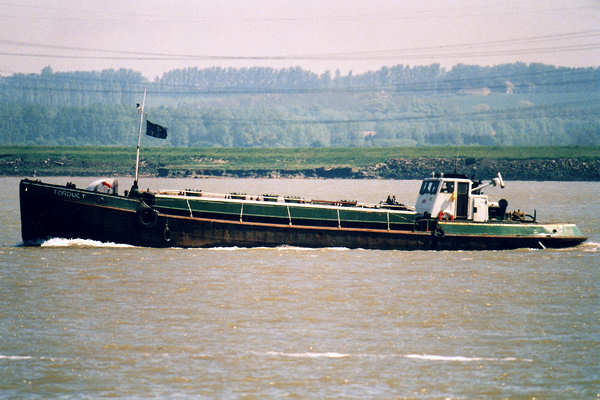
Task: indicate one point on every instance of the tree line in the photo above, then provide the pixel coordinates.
(511, 104)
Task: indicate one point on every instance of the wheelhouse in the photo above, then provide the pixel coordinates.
(454, 196)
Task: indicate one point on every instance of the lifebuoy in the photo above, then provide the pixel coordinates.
(147, 217)
(444, 214)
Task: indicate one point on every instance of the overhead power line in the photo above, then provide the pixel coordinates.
(461, 50)
(226, 92)
(391, 14)
(432, 56)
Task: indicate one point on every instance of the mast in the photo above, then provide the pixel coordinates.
(137, 156)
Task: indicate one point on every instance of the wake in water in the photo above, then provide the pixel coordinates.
(587, 246)
(81, 243)
(15, 358)
(332, 355)
(433, 357)
(424, 357)
(590, 246)
(84, 243)
(306, 355)
(25, 358)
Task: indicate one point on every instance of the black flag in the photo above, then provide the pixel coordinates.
(155, 130)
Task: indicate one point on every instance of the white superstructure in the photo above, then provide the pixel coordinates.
(455, 196)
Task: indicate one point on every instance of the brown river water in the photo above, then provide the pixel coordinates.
(81, 319)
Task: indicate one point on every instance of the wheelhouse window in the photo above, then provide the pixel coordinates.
(429, 187)
(447, 187)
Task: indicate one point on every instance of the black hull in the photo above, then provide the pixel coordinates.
(193, 232)
(44, 217)
(52, 211)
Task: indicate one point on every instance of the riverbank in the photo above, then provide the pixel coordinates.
(515, 163)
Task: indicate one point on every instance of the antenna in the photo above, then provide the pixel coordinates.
(137, 155)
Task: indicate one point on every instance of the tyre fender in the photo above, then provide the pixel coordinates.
(438, 232)
(147, 217)
(167, 234)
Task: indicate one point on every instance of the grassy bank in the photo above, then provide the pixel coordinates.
(42, 160)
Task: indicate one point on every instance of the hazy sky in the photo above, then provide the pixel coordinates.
(155, 36)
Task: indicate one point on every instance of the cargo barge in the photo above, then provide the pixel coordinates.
(451, 213)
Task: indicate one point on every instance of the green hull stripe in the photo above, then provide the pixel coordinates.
(260, 209)
(516, 229)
